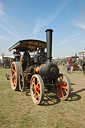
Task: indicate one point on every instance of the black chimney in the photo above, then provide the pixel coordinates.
(49, 44)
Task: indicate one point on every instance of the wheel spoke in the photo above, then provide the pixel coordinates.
(15, 81)
(13, 76)
(38, 82)
(33, 80)
(38, 94)
(62, 93)
(64, 87)
(35, 86)
(38, 85)
(65, 91)
(59, 94)
(65, 83)
(13, 70)
(35, 92)
(61, 78)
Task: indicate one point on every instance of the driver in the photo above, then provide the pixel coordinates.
(26, 59)
(26, 55)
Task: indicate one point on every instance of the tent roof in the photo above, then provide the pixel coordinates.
(81, 53)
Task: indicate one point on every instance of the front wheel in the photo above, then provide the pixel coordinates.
(37, 89)
(62, 87)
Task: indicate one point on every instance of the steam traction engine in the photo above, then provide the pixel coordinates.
(39, 73)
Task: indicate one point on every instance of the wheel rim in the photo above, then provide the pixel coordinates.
(62, 87)
(35, 89)
(13, 76)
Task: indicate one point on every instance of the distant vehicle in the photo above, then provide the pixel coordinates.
(82, 61)
(55, 61)
(73, 62)
(6, 62)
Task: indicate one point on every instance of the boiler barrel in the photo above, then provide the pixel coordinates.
(49, 70)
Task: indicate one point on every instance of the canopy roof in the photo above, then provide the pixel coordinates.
(68, 57)
(81, 53)
(30, 44)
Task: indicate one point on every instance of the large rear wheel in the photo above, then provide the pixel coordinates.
(62, 87)
(37, 89)
(14, 76)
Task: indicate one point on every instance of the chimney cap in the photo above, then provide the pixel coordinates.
(49, 30)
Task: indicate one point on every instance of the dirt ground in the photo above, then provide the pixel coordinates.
(17, 109)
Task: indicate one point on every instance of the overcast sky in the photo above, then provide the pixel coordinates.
(28, 19)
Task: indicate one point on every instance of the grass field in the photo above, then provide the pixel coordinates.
(17, 109)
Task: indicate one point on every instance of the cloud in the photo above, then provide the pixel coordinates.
(8, 28)
(1, 9)
(1, 37)
(69, 39)
(79, 23)
(79, 45)
(42, 22)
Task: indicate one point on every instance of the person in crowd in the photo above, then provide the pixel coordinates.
(17, 55)
(63, 66)
(68, 66)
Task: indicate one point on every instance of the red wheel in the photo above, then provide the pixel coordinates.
(14, 75)
(62, 87)
(37, 89)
